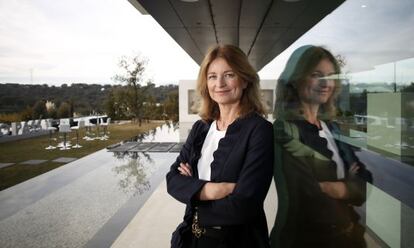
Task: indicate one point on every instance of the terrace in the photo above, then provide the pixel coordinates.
(115, 196)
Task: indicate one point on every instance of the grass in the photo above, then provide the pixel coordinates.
(33, 148)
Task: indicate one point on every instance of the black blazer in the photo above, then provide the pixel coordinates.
(245, 157)
(307, 217)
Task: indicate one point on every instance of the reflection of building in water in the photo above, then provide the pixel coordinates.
(189, 103)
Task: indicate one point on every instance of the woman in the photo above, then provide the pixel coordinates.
(224, 169)
(318, 178)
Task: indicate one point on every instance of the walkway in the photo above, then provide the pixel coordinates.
(158, 218)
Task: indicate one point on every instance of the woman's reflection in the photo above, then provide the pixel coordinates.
(318, 178)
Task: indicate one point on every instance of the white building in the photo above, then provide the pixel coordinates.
(188, 103)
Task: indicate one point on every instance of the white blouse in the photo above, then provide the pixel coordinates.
(209, 147)
(326, 133)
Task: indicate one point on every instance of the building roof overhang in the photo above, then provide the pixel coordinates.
(261, 28)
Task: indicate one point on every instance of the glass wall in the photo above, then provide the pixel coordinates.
(374, 44)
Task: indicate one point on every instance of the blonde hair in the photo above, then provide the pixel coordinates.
(238, 61)
(300, 64)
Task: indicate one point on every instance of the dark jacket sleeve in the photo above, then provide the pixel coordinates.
(355, 183)
(185, 188)
(246, 201)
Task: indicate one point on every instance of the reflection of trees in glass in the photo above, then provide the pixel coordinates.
(135, 172)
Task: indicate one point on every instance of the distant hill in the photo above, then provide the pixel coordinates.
(84, 97)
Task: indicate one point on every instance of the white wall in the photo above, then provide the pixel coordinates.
(187, 119)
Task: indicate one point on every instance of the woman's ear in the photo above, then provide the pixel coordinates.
(244, 85)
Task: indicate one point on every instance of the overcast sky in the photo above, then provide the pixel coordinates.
(78, 41)
(81, 41)
(370, 34)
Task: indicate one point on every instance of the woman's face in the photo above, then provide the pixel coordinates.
(224, 86)
(318, 86)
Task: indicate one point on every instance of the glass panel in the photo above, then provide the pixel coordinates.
(373, 44)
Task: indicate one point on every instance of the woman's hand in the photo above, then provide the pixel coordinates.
(215, 191)
(354, 168)
(336, 190)
(185, 169)
(210, 191)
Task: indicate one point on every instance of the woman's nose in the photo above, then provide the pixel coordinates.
(323, 82)
(221, 81)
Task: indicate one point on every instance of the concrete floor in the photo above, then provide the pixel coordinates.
(157, 219)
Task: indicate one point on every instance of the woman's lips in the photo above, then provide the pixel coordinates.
(222, 92)
(322, 91)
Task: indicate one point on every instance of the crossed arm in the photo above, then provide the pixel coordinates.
(210, 191)
(338, 190)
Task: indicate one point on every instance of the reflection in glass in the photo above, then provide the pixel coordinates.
(319, 179)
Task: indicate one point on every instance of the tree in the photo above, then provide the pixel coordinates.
(409, 88)
(26, 114)
(132, 74)
(116, 105)
(110, 106)
(39, 110)
(171, 106)
(152, 109)
(64, 110)
(51, 109)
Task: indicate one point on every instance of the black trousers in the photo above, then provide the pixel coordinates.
(207, 242)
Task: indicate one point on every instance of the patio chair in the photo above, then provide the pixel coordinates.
(105, 125)
(36, 125)
(88, 124)
(24, 128)
(51, 129)
(64, 127)
(78, 127)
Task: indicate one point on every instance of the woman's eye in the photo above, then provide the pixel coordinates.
(211, 77)
(229, 75)
(316, 75)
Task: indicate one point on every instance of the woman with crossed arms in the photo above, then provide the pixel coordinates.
(224, 169)
(319, 179)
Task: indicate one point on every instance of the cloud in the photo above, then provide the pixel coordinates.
(84, 39)
(381, 33)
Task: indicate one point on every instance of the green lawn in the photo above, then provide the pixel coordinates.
(23, 150)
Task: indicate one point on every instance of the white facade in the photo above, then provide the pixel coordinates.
(188, 103)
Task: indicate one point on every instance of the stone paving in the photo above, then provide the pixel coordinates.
(153, 225)
(39, 161)
(86, 203)
(4, 165)
(147, 147)
(33, 162)
(64, 160)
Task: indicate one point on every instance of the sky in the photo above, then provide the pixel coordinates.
(55, 42)
(371, 35)
(76, 41)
